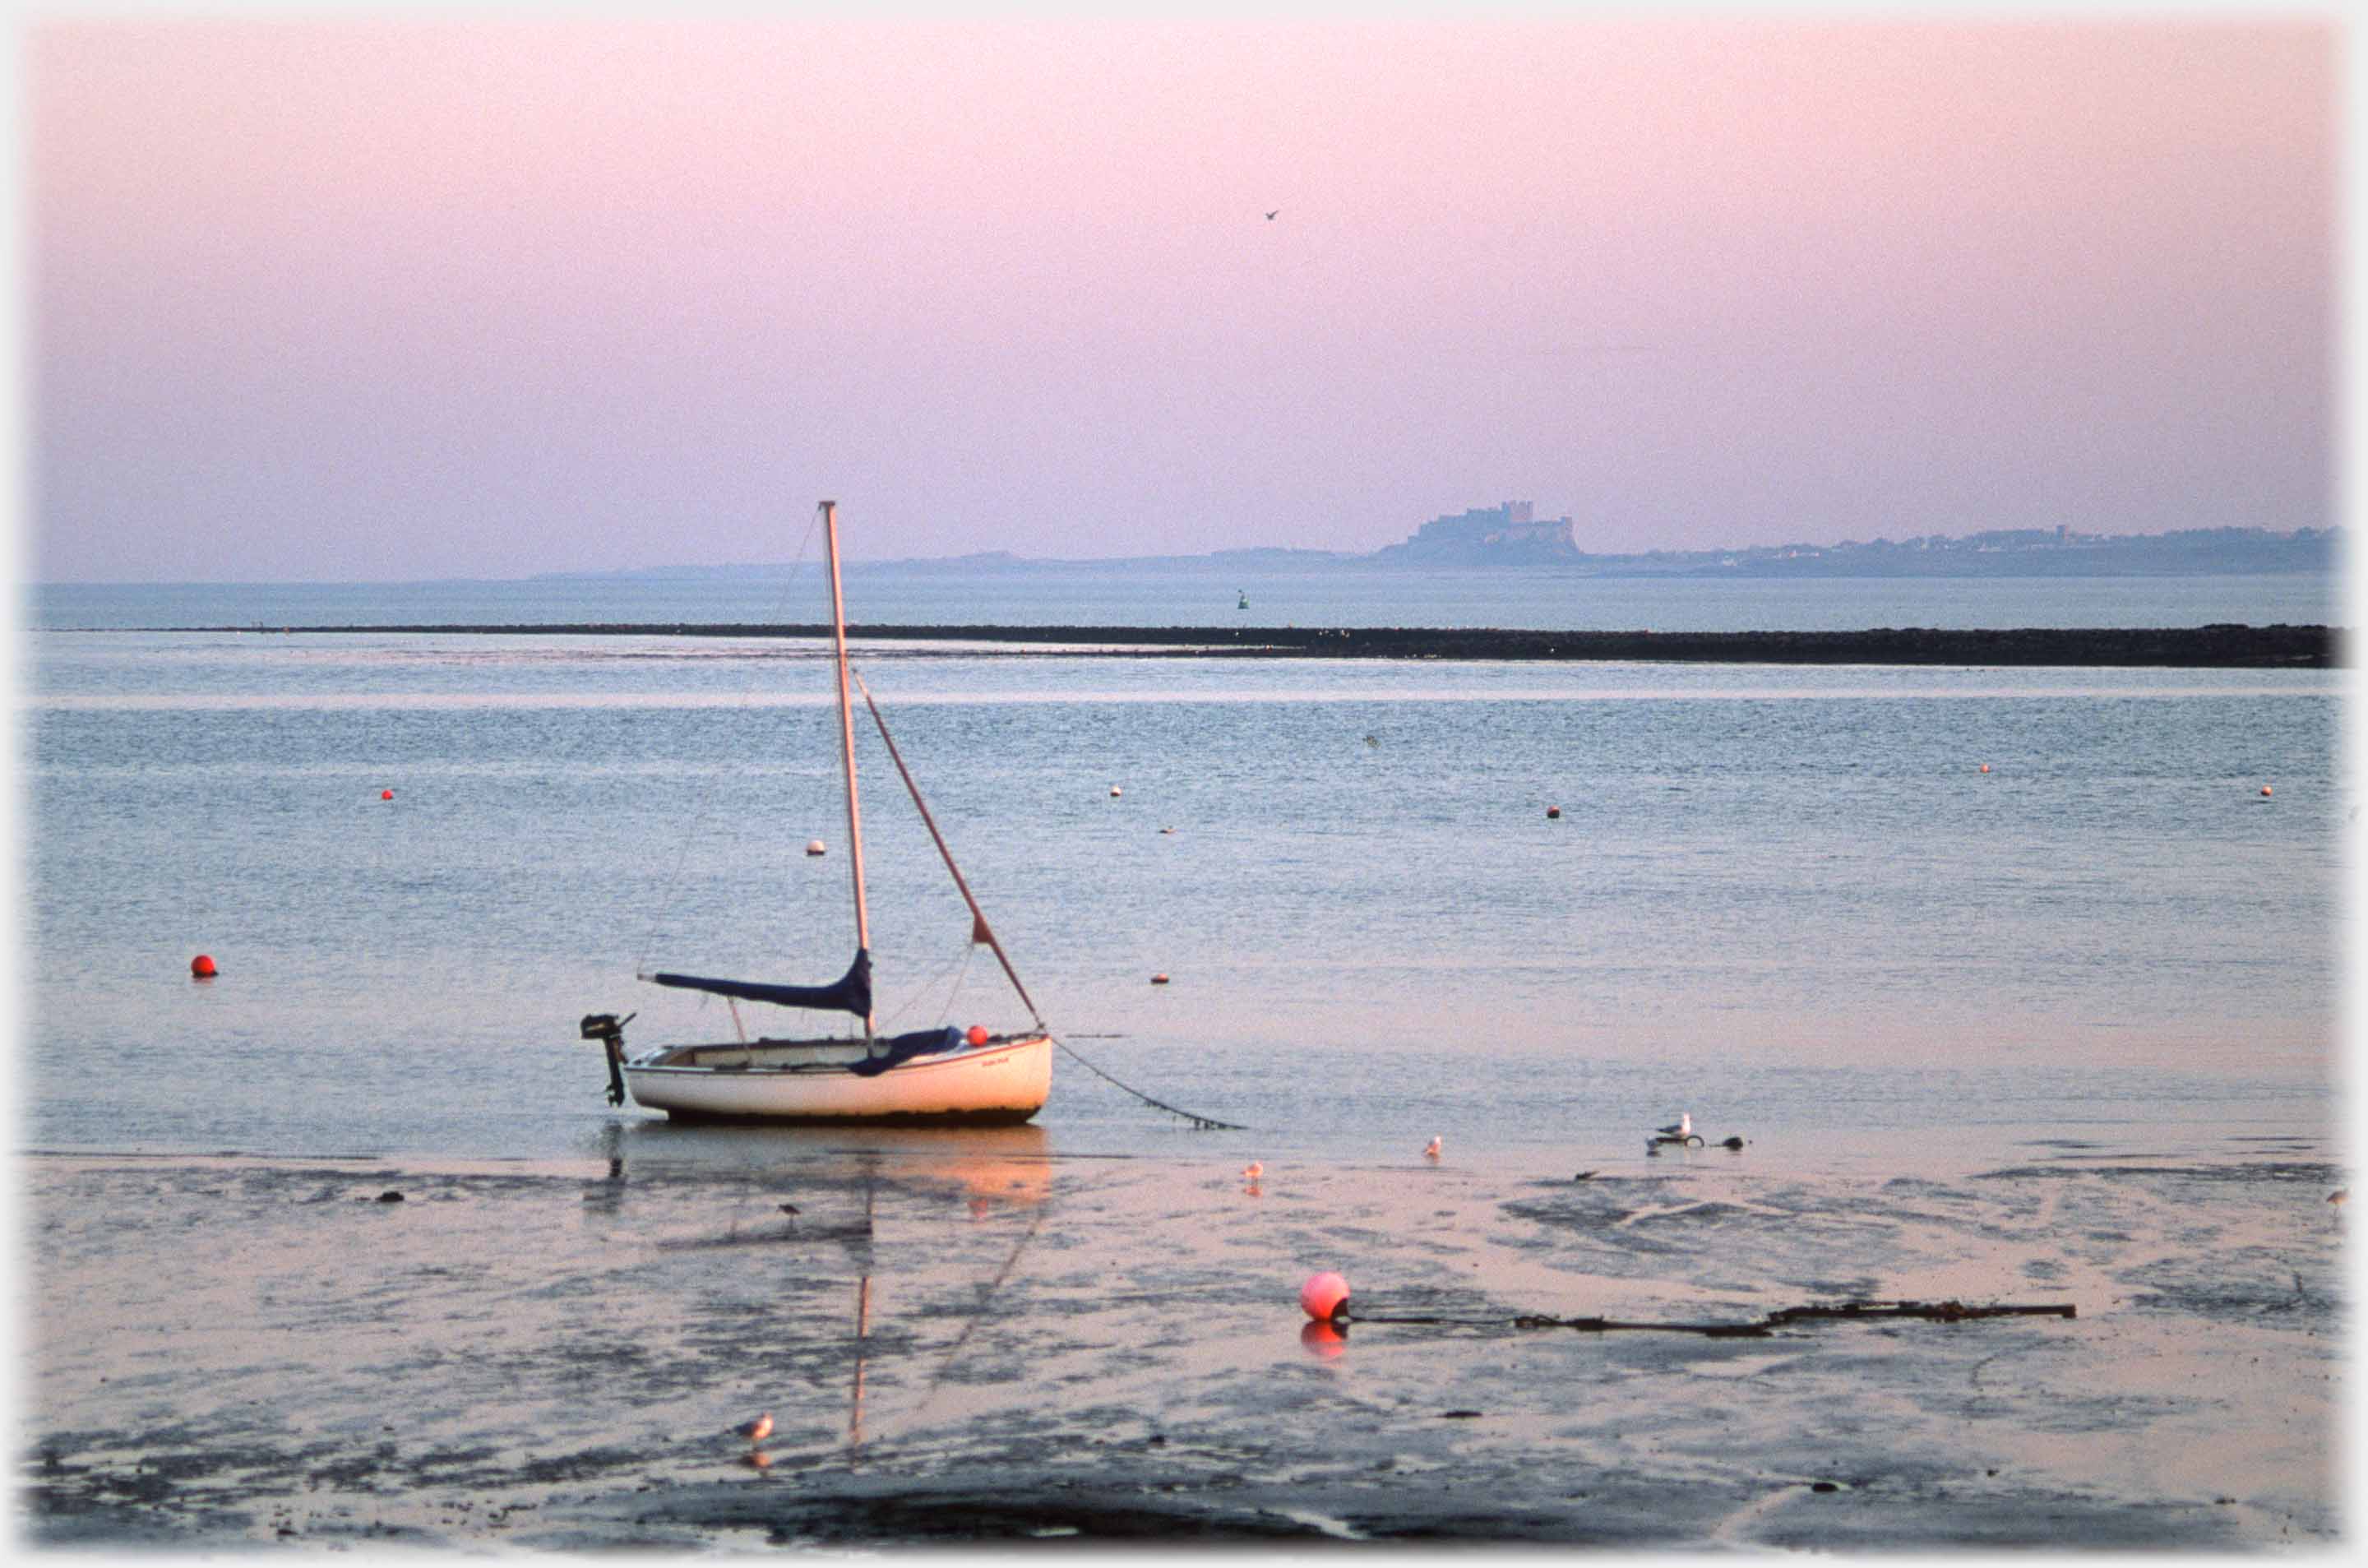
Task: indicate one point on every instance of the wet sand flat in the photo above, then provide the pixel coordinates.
(979, 1338)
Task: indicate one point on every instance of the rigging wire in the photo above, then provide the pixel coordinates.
(962, 972)
(958, 967)
(981, 932)
(703, 807)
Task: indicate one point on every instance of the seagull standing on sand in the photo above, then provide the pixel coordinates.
(1681, 1128)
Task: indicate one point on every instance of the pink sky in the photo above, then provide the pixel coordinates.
(428, 298)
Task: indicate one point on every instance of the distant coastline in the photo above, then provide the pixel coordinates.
(1508, 537)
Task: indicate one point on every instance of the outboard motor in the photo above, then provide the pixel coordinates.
(609, 1030)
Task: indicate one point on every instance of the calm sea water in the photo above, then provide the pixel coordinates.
(1181, 598)
(1785, 899)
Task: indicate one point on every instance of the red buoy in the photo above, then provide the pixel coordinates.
(1553, 812)
(386, 794)
(1985, 768)
(2265, 788)
(201, 967)
(1323, 1296)
(978, 1035)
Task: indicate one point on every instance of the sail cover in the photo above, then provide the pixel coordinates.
(850, 993)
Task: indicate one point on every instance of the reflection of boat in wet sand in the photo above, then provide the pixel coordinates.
(941, 1074)
(990, 1170)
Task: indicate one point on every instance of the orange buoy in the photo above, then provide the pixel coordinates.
(1252, 1171)
(201, 967)
(1553, 812)
(1985, 768)
(1432, 1149)
(1324, 1296)
(386, 794)
(2265, 788)
(1159, 980)
(978, 1035)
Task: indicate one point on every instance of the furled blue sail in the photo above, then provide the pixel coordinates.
(902, 1048)
(850, 993)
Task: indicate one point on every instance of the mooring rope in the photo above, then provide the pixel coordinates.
(1200, 1123)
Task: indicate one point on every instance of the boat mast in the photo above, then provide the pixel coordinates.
(847, 738)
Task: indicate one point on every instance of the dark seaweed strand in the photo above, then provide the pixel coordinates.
(1939, 1312)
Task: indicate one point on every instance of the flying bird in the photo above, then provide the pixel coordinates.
(1269, 217)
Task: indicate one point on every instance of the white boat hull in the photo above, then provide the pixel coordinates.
(1004, 1081)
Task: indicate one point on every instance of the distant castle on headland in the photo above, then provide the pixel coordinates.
(1509, 535)
(1504, 534)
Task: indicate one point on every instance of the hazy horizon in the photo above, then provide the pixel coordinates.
(423, 299)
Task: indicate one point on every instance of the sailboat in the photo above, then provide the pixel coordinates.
(940, 1075)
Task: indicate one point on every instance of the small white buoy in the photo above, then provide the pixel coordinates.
(813, 847)
(1116, 792)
